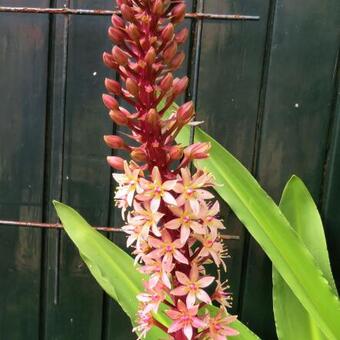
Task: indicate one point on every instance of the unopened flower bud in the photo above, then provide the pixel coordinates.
(138, 155)
(150, 56)
(185, 113)
(197, 151)
(117, 21)
(176, 152)
(120, 56)
(118, 117)
(178, 13)
(113, 86)
(110, 102)
(157, 7)
(133, 32)
(170, 51)
(166, 82)
(182, 36)
(115, 142)
(180, 85)
(116, 35)
(177, 60)
(167, 33)
(109, 61)
(132, 87)
(152, 118)
(127, 13)
(116, 162)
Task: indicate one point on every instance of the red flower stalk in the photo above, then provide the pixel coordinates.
(172, 218)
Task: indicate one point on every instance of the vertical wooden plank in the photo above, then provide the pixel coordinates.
(85, 182)
(23, 69)
(228, 98)
(331, 194)
(295, 124)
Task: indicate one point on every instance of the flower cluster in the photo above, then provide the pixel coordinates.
(171, 215)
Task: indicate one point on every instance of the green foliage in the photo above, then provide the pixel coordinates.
(114, 270)
(266, 223)
(292, 319)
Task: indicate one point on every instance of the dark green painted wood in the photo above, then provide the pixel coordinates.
(331, 197)
(23, 65)
(228, 97)
(85, 182)
(295, 125)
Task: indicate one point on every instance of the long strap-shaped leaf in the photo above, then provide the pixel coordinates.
(264, 220)
(114, 269)
(291, 318)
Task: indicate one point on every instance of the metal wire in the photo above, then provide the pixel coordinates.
(79, 11)
(27, 224)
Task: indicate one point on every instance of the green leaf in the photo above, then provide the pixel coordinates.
(264, 220)
(291, 318)
(114, 269)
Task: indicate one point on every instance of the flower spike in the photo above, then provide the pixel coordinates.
(171, 215)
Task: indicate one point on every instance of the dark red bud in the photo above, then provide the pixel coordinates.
(127, 13)
(120, 56)
(152, 118)
(117, 21)
(133, 32)
(177, 61)
(167, 33)
(197, 151)
(170, 51)
(113, 86)
(182, 36)
(132, 87)
(176, 152)
(185, 113)
(118, 117)
(150, 56)
(158, 7)
(109, 61)
(116, 35)
(110, 102)
(178, 13)
(116, 162)
(166, 82)
(138, 155)
(115, 142)
(180, 85)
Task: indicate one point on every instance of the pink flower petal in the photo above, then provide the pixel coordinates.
(175, 327)
(204, 194)
(155, 203)
(203, 296)
(182, 278)
(180, 257)
(187, 330)
(195, 206)
(206, 281)
(198, 323)
(179, 291)
(169, 185)
(156, 176)
(173, 224)
(185, 233)
(168, 198)
(173, 314)
(191, 299)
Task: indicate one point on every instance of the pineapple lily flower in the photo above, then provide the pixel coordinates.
(172, 219)
(192, 286)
